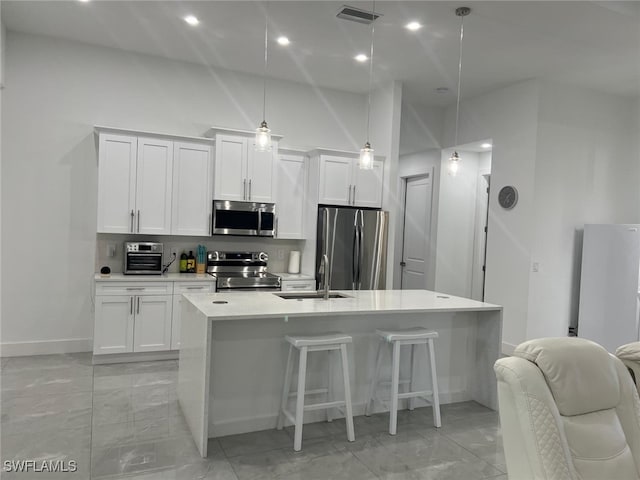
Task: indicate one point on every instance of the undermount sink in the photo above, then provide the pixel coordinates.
(309, 295)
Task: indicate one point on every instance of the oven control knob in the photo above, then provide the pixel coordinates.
(263, 257)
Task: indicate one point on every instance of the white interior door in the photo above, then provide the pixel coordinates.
(417, 230)
(480, 238)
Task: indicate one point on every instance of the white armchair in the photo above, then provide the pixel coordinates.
(569, 411)
(630, 356)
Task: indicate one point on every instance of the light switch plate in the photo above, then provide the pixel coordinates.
(111, 249)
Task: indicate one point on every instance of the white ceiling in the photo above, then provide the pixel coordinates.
(591, 44)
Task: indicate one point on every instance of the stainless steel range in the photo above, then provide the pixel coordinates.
(241, 271)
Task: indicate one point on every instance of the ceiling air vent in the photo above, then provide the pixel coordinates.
(357, 15)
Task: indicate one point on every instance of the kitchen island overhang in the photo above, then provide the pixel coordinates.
(232, 355)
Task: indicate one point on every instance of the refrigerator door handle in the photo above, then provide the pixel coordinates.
(354, 259)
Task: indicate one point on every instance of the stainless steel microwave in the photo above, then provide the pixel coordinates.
(243, 218)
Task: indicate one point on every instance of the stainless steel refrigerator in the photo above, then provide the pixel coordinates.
(355, 241)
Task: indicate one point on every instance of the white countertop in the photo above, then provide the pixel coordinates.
(252, 305)
(294, 276)
(168, 277)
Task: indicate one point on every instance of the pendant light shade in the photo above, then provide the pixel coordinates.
(263, 132)
(454, 160)
(263, 138)
(365, 162)
(366, 157)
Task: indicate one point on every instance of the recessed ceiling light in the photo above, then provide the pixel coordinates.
(361, 57)
(486, 145)
(84, 1)
(413, 26)
(192, 20)
(284, 41)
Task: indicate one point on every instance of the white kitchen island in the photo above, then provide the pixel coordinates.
(233, 355)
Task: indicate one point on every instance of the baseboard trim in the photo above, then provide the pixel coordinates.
(257, 423)
(135, 357)
(46, 347)
(508, 348)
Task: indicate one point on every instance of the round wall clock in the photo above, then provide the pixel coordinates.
(508, 197)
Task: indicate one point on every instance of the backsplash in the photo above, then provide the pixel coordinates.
(278, 250)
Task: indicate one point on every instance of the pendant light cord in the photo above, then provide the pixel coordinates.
(373, 30)
(264, 70)
(459, 79)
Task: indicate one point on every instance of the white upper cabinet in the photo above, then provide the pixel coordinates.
(134, 184)
(117, 183)
(192, 189)
(260, 173)
(342, 182)
(291, 196)
(241, 173)
(335, 180)
(154, 176)
(231, 168)
(367, 185)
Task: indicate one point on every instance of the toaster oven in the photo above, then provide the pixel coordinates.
(142, 258)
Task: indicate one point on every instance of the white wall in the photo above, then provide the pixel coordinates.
(456, 225)
(55, 92)
(587, 171)
(509, 117)
(421, 128)
(385, 138)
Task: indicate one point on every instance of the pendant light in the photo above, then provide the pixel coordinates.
(365, 162)
(454, 159)
(263, 132)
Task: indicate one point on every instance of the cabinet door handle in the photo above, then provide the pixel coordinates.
(249, 189)
(298, 286)
(138, 221)
(195, 288)
(275, 234)
(354, 195)
(131, 305)
(244, 189)
(135, 288)
(349, 200)
(138, 310)
(132, 215)
(210, 224)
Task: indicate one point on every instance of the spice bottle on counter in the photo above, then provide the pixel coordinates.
(183, 263)
(191, 263)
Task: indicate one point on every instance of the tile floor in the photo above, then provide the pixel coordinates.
(123, 421)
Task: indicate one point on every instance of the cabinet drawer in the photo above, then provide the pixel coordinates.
(193, 287)
(134, 288)
(298, 285)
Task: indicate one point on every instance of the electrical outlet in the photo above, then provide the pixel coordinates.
(535, 268)
(111, 249)
(280, 254)
(173, 252)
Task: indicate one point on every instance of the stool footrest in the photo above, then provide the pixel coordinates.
(324, 405)
(415, 394)
(317, 391)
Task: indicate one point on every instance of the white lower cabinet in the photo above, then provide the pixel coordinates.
(152, 323)
(298, 285)
(178, 289)
(132, 317)
(113, 332)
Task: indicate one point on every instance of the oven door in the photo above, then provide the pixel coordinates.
(143, 263)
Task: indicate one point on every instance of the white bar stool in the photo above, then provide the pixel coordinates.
(328, 342)
(396, 339)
